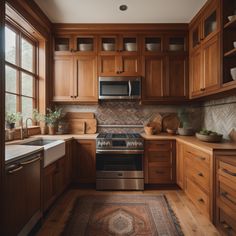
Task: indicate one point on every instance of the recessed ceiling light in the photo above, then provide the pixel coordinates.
(123, 7)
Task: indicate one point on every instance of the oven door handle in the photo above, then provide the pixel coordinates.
(119, 151)
(130, 88)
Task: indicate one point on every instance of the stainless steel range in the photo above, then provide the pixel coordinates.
(119, 161)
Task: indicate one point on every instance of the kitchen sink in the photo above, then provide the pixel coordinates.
(53, 149)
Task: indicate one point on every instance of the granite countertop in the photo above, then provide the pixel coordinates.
(15, 152)
(193, 141)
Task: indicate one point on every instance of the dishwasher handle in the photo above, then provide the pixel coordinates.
(12, 171)
(30, 161)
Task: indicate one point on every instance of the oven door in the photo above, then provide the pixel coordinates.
(119, 165)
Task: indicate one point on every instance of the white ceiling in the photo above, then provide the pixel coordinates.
(107, 11)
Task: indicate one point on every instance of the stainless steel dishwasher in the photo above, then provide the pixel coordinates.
(22, 195)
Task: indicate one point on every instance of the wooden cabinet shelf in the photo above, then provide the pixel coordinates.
(231, 53)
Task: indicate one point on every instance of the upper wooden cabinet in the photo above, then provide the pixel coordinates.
(119, 55)
(75, 78)
(78, 44)
(205, 51)
(205, 25)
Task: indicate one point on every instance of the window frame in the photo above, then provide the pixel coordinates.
(21, 34)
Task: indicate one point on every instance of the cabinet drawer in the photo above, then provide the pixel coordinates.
(159, 145)
(198, 174)
(229, 171)
(199, 198)
(160, 156)
(197, 156)
(226, 224)
(160, 175)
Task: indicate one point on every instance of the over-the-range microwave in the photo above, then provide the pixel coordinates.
(120, 88)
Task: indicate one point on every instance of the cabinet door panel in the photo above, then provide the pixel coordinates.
(129, 65)
(63, 78)
(86, 78)
(211, 64)
(108, 65)
(84, 168)
(180, 164)
(196, 73)
(177, 76)
(153, 77)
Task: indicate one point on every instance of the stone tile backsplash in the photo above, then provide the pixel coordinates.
(128, 113)
(220, 115)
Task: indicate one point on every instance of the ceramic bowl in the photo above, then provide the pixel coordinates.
(209, 138)
(85, 47)
(234, 43)
(131, 47)
(233, 73)
(62, 47)
(176, 47)
(108, 46)
(186, 131)
(231, 18)
(153, 47)
(171, 131)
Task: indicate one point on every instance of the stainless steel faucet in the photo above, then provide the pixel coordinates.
(26, 127)
(21, 129)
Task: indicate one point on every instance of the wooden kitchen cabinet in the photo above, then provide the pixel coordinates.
(205, 68)
(205, 51)
(75, 79)
(63, 83)
(154, 77)
(198, 177)
(119, 60)
(21, 194)
(225, 204)
(159, 162)
(54, 182)
(84, 161)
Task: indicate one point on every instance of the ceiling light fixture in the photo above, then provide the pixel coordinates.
(123, 7)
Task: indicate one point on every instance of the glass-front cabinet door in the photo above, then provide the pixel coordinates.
(108, 44)
(152, 44)
(129, 44)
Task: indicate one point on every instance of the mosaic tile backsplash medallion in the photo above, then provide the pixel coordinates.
(129, 114)
(220, 116)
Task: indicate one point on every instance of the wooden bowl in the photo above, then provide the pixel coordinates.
(148, 130)
(171, 131)
(209, 138)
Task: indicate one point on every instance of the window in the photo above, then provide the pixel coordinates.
(21, 77)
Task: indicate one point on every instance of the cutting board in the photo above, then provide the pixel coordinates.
(156, 123)
(170, 121)
(82, 122)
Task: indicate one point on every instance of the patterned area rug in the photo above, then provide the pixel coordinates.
(128, 215)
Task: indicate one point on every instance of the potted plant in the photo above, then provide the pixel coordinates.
(52, 117)
(185, 128)
(40, 119)
(11, 119)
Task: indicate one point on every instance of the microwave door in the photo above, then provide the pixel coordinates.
(135, 89)
(114, 89)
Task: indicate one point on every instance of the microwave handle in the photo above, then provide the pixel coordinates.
(130, 88)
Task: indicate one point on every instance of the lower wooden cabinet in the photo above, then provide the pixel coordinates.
(54, 182)
(225, 205)
(84, 161)
(198, 178)
(159, 162)
(180, 164)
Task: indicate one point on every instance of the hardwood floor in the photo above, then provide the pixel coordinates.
(191, 220)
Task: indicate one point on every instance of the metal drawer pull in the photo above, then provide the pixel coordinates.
(30, 161)
(226, 195)
(201, 158)
(15, 170)
(201, 200)
(225, 225)
(200, 174)
(229, 172)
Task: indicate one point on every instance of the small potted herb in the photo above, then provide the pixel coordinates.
(185, 128)
(11, 119)
(40, 119)
(52, 117)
